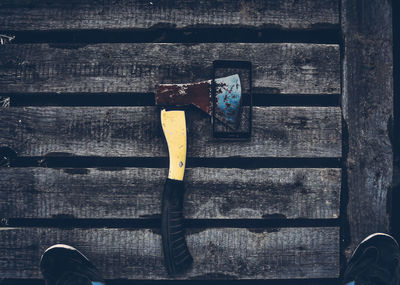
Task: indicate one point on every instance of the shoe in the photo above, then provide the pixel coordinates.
(375, 261)
(63, 265)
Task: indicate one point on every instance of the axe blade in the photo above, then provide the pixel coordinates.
(197, 94)
(228, 97)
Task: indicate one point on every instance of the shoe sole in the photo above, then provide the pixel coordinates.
(371, 236)
(62, 246)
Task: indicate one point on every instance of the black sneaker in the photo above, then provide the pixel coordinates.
(375, 261)
(63, 265)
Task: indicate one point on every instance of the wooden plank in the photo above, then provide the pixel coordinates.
(136, 132)
(138, 67)
(221, 253)
(211, 193)
(395, 214)
(134, 14)
(368, 112)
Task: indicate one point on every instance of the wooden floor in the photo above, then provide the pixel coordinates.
(84, 157)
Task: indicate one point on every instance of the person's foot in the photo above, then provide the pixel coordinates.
(375, 261)
(63, 265)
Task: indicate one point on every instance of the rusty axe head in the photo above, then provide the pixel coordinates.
(228, 97)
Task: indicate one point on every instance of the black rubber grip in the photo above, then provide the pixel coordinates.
(176, 254)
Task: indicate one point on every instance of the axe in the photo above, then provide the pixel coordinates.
(227, 109)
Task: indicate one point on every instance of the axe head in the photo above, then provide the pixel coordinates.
(228, 97)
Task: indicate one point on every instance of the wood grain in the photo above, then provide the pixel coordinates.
(134, 14)
(223, 253)
(138, 67)
(211, 193)
(368, 113)
(136, 132)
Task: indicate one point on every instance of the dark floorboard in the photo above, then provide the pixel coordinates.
(396, 149)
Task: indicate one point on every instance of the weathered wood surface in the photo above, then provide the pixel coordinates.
(211, 193)
(395, 218)
(223, 253)
(136, 132)
(133, 14)
(138, 67)
(368, 111)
